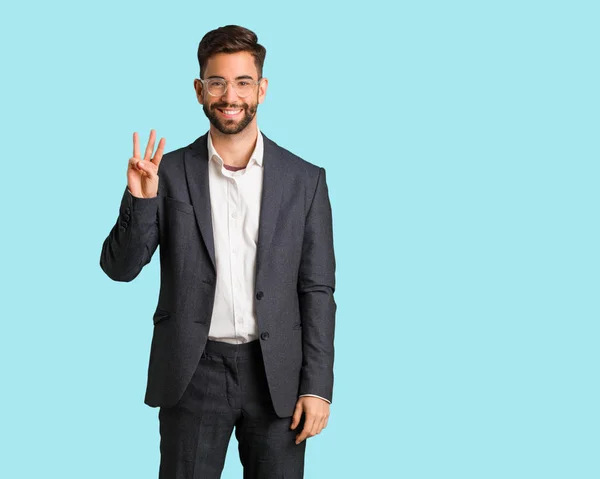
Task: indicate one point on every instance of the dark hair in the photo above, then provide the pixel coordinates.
(230, 39)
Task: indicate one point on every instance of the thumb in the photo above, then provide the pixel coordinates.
(147, 167)
(296, 416)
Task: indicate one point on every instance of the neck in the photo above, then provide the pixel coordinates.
(235, 149)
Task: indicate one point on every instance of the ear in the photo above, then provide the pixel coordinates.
(198, 90)
(262, 89)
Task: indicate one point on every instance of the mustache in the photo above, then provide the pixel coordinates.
(226, 106)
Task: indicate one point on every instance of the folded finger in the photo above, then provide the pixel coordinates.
(308, 424)
(296, 418)
(317, 426)
(148, 168)
(321, 425)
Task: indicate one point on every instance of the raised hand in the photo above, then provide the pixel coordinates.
(142, 173)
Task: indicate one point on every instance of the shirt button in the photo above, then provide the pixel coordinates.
(233, 215)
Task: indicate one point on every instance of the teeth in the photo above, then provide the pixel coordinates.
(231, 112)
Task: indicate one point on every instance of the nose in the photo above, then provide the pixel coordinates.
(230, 95)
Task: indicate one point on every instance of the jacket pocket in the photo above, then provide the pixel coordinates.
(178, 205)
(160, 315)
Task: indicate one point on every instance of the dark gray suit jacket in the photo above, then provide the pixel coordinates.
(295, 272)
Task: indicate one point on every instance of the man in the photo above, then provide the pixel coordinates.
(244, 325)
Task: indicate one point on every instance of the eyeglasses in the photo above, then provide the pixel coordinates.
(218, 86)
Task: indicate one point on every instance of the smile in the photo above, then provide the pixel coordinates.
(229, 112)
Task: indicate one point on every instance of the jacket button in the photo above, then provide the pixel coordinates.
(124, 224)
(259, 296)
(127, 210)
(264, 336)
(126, 217)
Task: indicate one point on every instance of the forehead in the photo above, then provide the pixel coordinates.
(231, 65)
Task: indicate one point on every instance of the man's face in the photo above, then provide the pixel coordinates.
(230, 113)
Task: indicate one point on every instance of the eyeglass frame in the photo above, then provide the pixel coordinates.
(227, 82)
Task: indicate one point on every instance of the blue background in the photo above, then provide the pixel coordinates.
(460, 141)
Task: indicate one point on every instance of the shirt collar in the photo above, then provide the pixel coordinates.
(257, 154)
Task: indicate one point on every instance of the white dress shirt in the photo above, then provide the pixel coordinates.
(235, 198)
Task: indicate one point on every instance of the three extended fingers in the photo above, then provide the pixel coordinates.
(148, 164)
(149, 148)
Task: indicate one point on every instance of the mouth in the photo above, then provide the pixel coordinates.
(230, 113)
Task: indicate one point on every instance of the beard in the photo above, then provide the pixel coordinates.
(225, 125)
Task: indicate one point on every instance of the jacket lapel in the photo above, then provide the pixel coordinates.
(196, 172)
(273, 175)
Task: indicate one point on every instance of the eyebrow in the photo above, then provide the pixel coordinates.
(241, 77)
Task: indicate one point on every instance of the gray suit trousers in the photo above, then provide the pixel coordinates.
(228, 391)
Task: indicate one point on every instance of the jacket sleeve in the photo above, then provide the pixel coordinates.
(133, 239)
(316, 285)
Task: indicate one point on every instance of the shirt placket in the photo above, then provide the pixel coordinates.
(235, 250)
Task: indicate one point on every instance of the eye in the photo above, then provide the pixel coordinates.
(243, 83)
